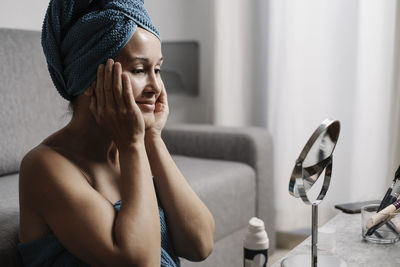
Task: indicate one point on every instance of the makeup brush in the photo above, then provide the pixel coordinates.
(393, 191)
(383, 215)
(390, 197)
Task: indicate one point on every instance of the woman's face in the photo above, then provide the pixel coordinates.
(141, 58)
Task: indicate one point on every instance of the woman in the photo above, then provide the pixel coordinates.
(98, 191)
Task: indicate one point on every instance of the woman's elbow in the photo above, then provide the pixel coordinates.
(204, 250)
(206, 245)
(198, 252)
(199, 244)
(203, 246)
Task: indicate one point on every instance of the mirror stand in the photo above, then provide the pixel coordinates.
(314, 234)
(314, 260)
(315, 158)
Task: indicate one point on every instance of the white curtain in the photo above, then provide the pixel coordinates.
(313, 59)
(332, 59)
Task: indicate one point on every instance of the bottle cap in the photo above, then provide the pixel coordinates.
(256, 237)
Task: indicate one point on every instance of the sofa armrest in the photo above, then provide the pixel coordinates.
(249, 145)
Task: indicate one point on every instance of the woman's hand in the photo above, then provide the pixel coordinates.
(114, 107)
(160, 115)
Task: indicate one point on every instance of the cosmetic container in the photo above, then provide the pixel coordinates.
(385, 234)
(255, 244)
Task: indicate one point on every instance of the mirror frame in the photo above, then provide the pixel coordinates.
(297, 185)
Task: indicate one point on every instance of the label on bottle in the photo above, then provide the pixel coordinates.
(255, 258)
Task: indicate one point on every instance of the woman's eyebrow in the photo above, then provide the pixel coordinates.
(145, 59)
(139, 59)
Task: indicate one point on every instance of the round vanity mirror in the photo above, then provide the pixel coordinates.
(315, 158)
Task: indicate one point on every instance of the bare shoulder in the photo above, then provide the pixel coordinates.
(42, 179)
(39, 157)
(56, 198)
(43, 166)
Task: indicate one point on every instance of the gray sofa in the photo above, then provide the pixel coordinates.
(230, 168)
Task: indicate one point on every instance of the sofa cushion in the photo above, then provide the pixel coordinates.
(9, 193)
(227, 188)
(9, 220)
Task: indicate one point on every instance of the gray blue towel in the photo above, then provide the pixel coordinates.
(78, 35)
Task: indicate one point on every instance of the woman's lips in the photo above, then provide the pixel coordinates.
(146, 106)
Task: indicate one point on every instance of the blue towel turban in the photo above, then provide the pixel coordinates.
(78, 35)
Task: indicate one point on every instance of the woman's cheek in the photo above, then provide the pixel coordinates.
(135, 88)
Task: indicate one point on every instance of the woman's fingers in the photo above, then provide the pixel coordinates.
(109, 88)
(163, 96)
(108, 84)
(90, 90)
(117, 81)
(113, 104)
(162, 101)
(128, 92)
(93, 106)
(99, 92)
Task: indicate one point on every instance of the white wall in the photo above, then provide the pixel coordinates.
(176, 20)
(193, 20)
(233, 62)
(22, 14)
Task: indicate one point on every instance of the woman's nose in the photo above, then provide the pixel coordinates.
(154, 84)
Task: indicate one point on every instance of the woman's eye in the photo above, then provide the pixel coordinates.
(158, 71)
(137, 71)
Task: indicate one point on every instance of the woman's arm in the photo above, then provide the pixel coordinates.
(189, 221)
(114, 108)
(137, 226)
(83, 220)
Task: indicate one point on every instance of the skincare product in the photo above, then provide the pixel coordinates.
(256, 244)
